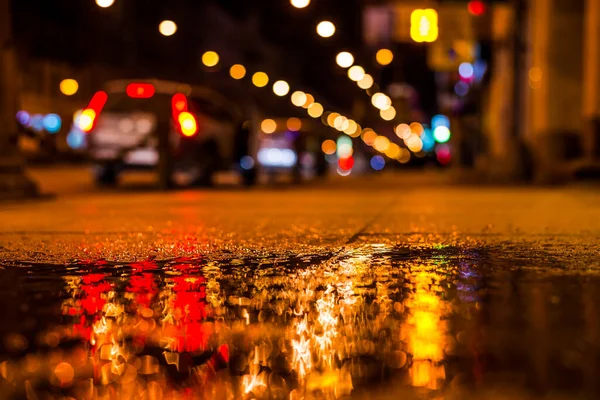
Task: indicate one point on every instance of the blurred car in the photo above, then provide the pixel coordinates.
(186, 133)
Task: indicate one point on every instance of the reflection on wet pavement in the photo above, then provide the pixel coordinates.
(375, 321)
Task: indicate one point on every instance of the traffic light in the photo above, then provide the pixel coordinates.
(424, 25)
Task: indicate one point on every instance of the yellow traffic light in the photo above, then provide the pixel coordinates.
(424, 25)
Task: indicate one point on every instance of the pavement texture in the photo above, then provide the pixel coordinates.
(381, 287)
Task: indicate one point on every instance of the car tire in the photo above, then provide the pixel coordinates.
(106, 175)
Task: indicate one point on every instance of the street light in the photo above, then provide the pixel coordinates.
(167, 28)
(69, 87)
(300, 3)
(299, 98)
(326, 29)
(384, 56)
(210, 58)
(281, 88)
(237, 71)
(105, 3)
(344, 59)
(356, 73)
(260, 79)
(366, 82)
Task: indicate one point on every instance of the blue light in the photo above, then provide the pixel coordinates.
(440, 120)
(37, 122)
(52, 123)
(461, 89)
(427, 139)
(24, 118)
(247, 162)
(465, 70)
(76, 139)
(377, 163)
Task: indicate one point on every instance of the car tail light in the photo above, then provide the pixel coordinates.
(185, 122)
(89, 116)
(140, 90)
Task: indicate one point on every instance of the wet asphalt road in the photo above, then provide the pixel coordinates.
(381, 288)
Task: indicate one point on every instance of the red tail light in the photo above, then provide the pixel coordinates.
(186, 123)
(89, 116)
(140, 90)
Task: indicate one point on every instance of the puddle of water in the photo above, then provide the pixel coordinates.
(374, 322)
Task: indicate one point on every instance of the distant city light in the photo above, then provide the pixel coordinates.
(404, 156)
(417, 128)
(377, 163)
(105, 3)
(352, 127)
(476, 7)
(368, 136)
(329, 147)
(260, 79)
(300, 3)
(461, 89)
(384, 56)
(356, 73)
(268, 126)
(237, 71)
(37, 122)
(299, 98)
(326, 29)
(366, 82)
(69, 87)
(441, 134)
(428, 140)
(440, 120)
(281, 88)
(381, 144)
(247, 162)
(210, 58)
(86, 119)
(393, 151)
(424, 25)
(24, 118)
(465, 70)
(381, 101)
(52, 123)
(403, 131)
(294, 124)
(414, 143)
(388, 114)
(344, 59)
(315, 110)
(346, 163)
(167, 28)
(443, 154)
(344, 147)
(309, 100)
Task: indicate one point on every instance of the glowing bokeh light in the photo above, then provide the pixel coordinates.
(247, 162)
(381, 101)
(210, 58)
(315, 110)
(24, 118)
(52, 123)
(404, 156)
(69, 87)
(188, 124)
(461, 89)
(298, 98)
(344, 59)
(281, 88)
(356, 73)
(476, 7)
(268, 126)
(326, 29)
(346, 163)
(368, 136)
(237, 71)
(381, 144)
(441, 134)
(329, 147)
(384, 56)
(294, 124)
(466, 70)
(352, 128)
(402, 131)
(414, 143)
(417, 128)
(440, 120)
(424, 25)
(86, 119)
(300, 3)
(443, 154)
(309, 100)
(393, 151)
(260, 79)
(167, 28)
(366, 82)
(377, 163)
(105, 3)
(388, 114)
